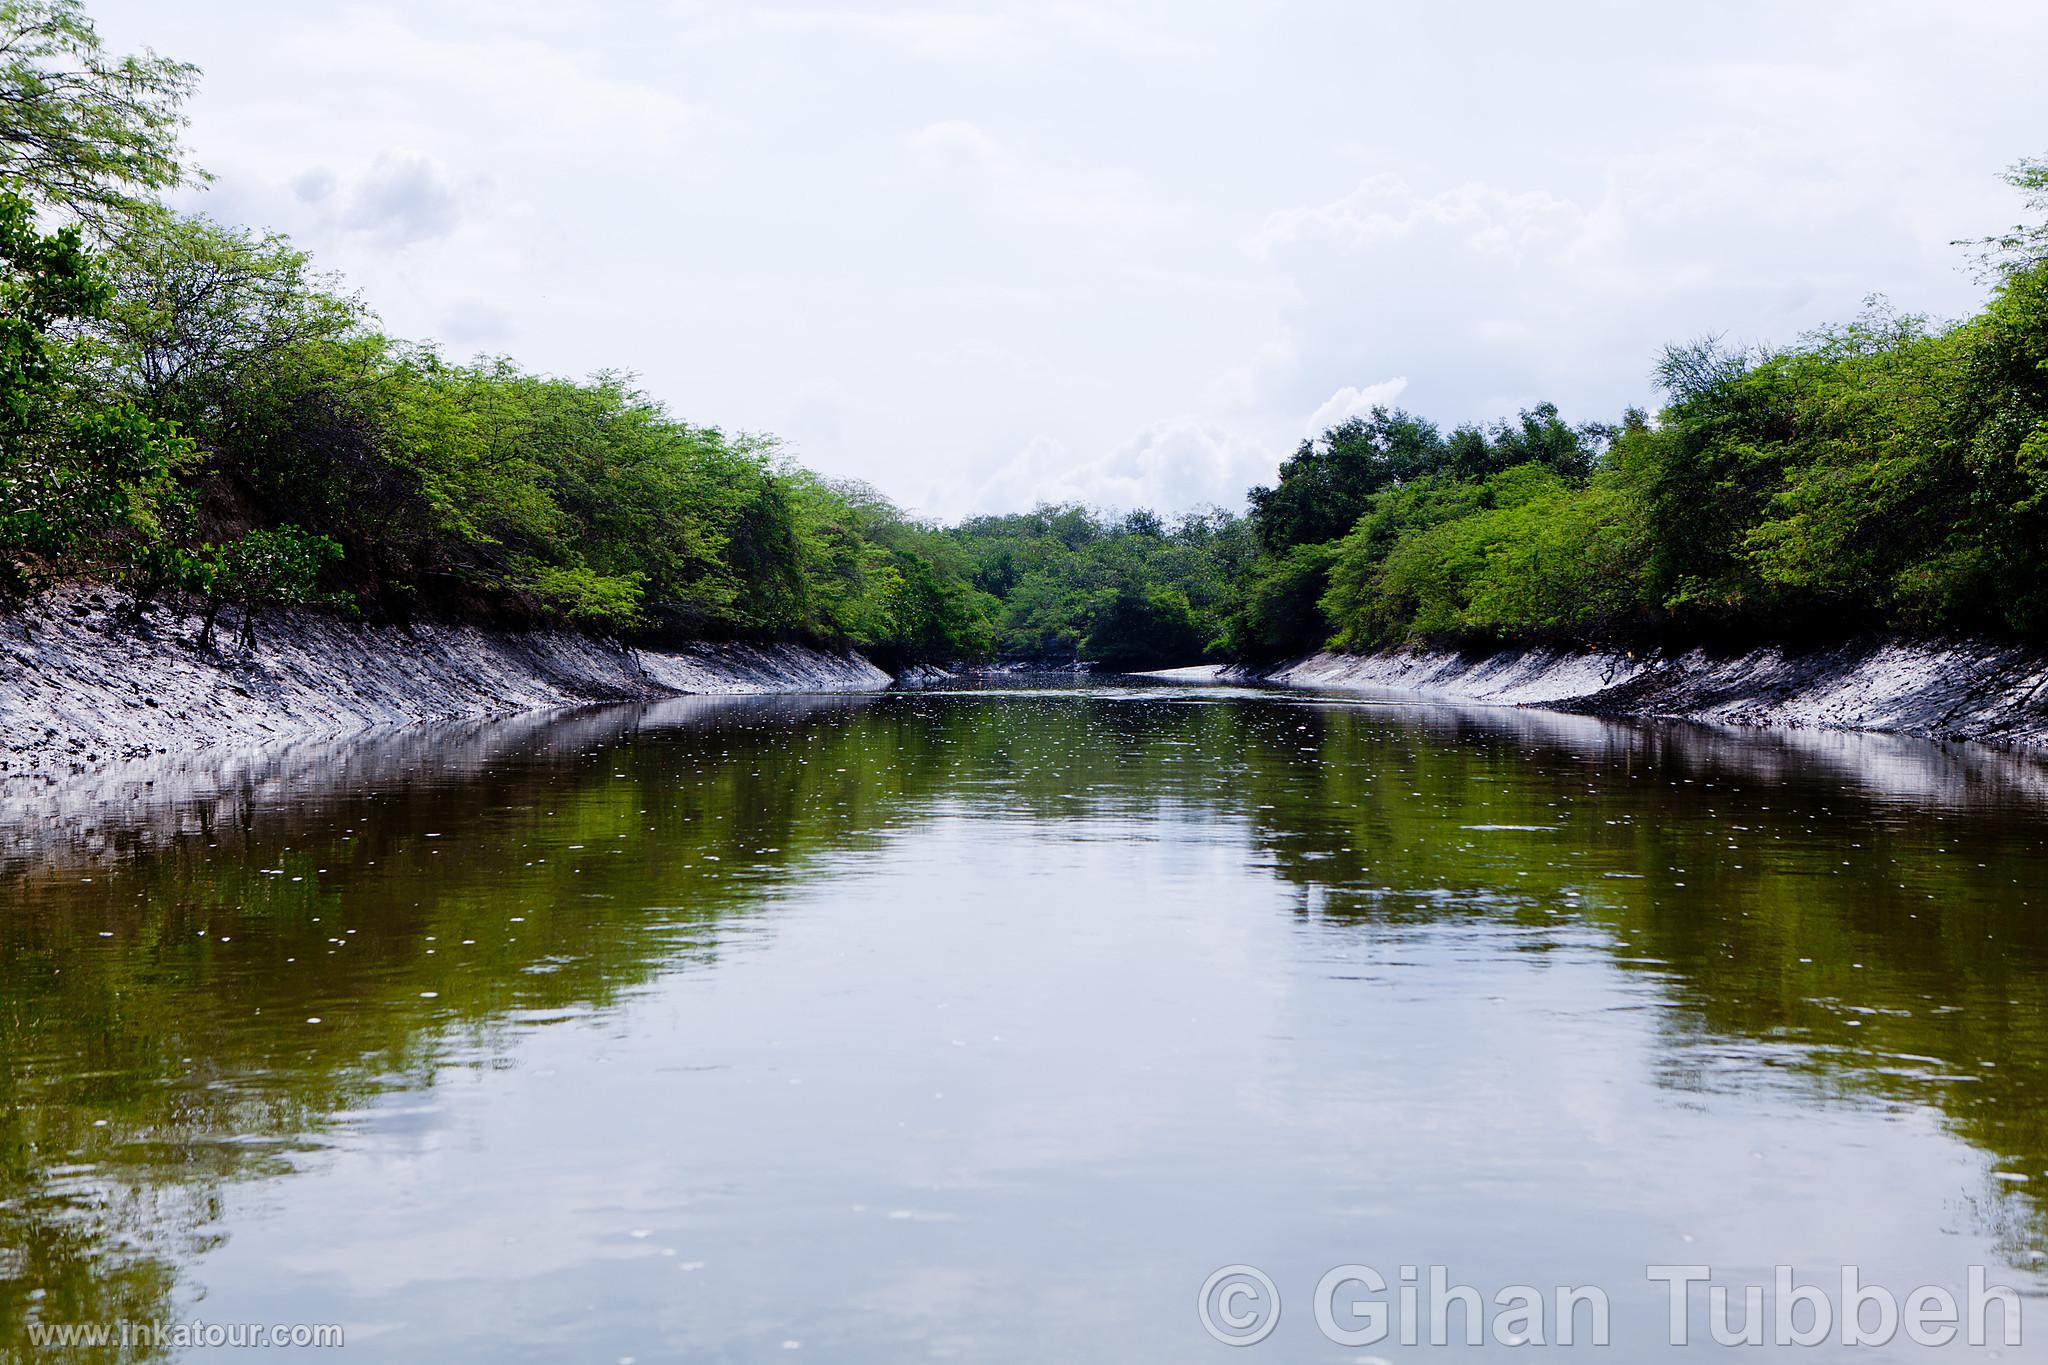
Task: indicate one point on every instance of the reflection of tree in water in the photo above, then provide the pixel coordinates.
(579, 857)
(154, 1040)
(1884, 942)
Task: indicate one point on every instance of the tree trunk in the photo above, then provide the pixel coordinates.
(205, 640)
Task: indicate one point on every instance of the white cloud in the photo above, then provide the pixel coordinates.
(1352, 401)
(1171, 465)
(470, 326)
(985, 34)
(954, 141)
(1493, 295)
(315, 186)
(1485, 219)
(1118, 251)
(969, 159)
(403, 198)
(931, 34)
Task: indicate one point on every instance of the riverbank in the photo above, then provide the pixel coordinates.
(83, 683)
(1960, 690)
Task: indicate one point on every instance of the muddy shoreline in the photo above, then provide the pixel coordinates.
(1965, 690)
(84, 683)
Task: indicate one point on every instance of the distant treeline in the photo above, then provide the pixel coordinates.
(190, 408)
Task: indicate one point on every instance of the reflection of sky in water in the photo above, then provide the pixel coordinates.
(925, 1025)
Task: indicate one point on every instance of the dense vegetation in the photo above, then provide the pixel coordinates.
(194, 409)
(1890, 474)
(1128, 591)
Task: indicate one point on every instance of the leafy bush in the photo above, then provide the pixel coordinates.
(275, 568)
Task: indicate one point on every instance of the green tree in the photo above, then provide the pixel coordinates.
(260, 569)
(1144, 628)
(201, 311)
(84, 131)
(1323, 488)
(2024, 245)
(1279, 606)
(69, 469)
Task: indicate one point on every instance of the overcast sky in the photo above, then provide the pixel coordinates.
(1126, 253)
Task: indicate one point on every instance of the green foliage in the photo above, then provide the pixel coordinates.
(1130, 592)
(1154, 628)
(1522, 554)
(259, 569)
(86, 132)
(1998, 556)
(931, 614)
(2024, 245)
(1327, 527)
(527, 484)
(1875, 475)
(585, 597)
(1889, 474)
(69, 469)
(1886, 474)
(484, 487)
(1280, 610)
(201, 311)
(587, 502)
(1328, 483)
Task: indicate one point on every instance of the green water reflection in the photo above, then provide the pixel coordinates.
(1838, 923)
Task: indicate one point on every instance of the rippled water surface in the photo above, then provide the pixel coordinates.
(984, 1025)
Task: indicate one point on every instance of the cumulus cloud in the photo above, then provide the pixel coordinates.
(1487, 220)
(1495, 293)
(404, 198)
(314, 186)
(1352, 401)
(399, 199)
(1170, 465)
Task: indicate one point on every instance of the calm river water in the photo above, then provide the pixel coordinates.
(986, 1025)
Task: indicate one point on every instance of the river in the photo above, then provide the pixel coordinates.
(987, 1024)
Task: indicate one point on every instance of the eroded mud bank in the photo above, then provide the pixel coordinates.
(1963, 690)
(83, 683)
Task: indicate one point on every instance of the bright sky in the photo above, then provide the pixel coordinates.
(1121, 252)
